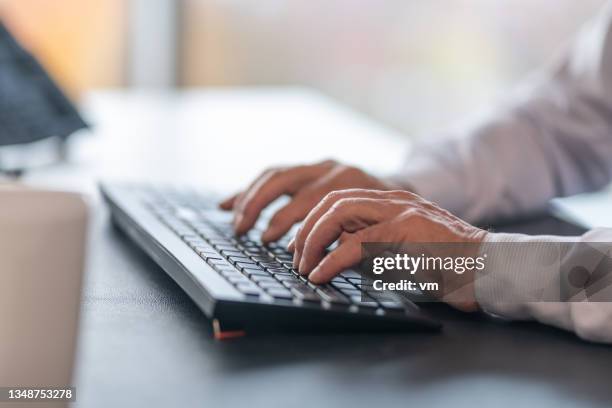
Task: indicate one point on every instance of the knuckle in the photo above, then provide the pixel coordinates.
(428, 205)
(333, 196)
(348, 171)
(272, 169)
(419, 217)
(273, 172)
(337, 195)
(412, 214)
(342, 204)
(329, 163)
(357, 238)
(404, 195)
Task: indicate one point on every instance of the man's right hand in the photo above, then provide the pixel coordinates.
(307, 185)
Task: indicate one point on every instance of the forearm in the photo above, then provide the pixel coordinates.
(553, 137)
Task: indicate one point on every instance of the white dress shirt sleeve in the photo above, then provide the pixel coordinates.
(552, 138)
(513, 286)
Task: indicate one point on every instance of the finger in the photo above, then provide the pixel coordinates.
(343, 237)
(347, 215)
(324, 205)
(228, 203)
(284, 219)
(267, 189)
(295, 211)
(238, 203)
(291, 245)
(343, 257)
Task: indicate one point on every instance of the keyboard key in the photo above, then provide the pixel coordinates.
(295, 283)
(350, 274)
(230, 253)
(229, 273)
(211, 235)
(218, 263)
(251, 245)
(299, 284)
(270, 265)
(305, 293)
(343, 285)
(227, 246)
(250, 271)
(285, 258)
(351, 292)
(208, 255)
(253, 251)
(339, 279)
(280, 293)
(331, 295)
(280, 271)
(250, 290)
(239, 280)
(194, 243)
(263, 258)
(220, 242)
(271, 285)
(260, 279)
(249, 265)
(286, 278)
(242, 259)
(205, 249)
(276, 248)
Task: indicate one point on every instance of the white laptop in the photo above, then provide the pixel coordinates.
(590, 210)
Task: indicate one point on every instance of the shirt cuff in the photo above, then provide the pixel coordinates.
(516, 273)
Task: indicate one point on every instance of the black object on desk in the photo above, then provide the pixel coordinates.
(32, 106)
(238, 282)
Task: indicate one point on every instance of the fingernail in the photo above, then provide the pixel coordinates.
(291, 245)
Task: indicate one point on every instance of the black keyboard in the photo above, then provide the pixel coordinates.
(261, 274)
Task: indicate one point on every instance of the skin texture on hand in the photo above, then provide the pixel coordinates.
(361, 216)
(306, 185)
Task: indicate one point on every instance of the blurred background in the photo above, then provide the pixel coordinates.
(414, 65)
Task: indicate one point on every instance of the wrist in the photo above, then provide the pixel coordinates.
(463, 296)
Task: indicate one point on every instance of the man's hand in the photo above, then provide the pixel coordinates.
(307, 185)
(379, 216)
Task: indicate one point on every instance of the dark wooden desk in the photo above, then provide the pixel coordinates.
(143, 342)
